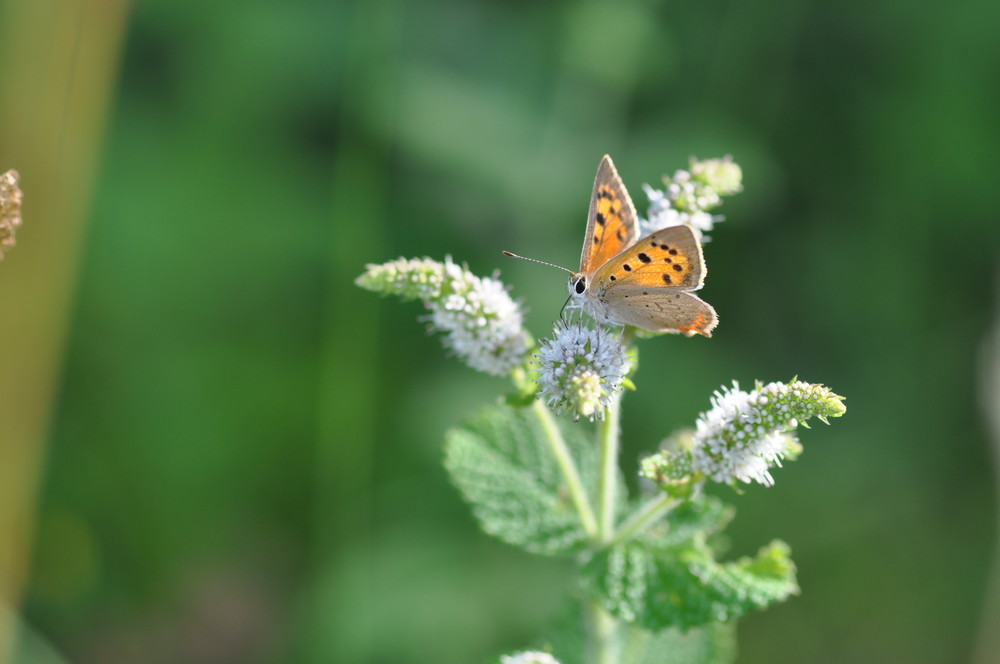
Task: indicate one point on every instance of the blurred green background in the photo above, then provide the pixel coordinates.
(241, 455)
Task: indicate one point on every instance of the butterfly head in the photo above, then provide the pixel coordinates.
(577, 284)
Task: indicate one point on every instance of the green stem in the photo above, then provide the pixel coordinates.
(568, 468)
(645, 515)
(604, 637)
(607, 481)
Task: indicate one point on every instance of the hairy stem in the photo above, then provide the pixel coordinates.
(607, 482)
(641, 518)
(604, 635)
(605, 630)
(568, 468)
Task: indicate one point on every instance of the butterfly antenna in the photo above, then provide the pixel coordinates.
(535, 260)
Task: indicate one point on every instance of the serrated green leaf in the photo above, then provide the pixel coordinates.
(502, 465)
(714, 643)
(619, 579)
(703, 517)
(685, 587)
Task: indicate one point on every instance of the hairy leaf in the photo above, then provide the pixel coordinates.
(691, 519)
(686, 587)
(502, 464)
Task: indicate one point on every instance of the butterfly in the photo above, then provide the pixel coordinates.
(645, 282)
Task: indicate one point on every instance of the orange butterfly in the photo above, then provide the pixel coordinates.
(646, 283)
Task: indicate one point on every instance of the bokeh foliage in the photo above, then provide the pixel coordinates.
(245, 462)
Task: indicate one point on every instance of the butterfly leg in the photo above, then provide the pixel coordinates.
(566, 305)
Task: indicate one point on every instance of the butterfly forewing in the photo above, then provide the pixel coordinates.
(612, 225)
(668, 258)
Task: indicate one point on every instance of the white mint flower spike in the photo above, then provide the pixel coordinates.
(691, 194)
(662, 215)
(745, 433)
(413, 279)
(723, 176)
(580, 369)
(483, 326)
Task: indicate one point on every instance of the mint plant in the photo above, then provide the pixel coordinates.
(653, 583)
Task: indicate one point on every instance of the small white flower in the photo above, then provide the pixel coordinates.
(581, 367)
(482, 324)
(660, 217)
(689, 195)
(667, 466)
(413, 279)
(529, 657)
(724, 176)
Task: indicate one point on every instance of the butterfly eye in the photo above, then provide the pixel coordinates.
(581, 285)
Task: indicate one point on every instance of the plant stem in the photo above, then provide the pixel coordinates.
(648, 513)
(568, 468)
(607, 481)
(605, 639)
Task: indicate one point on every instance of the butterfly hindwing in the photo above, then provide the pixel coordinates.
(612, 224)
(661, 310)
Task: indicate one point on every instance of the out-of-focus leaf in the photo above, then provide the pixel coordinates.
(705, 516)
(686, 587)
(502, 464)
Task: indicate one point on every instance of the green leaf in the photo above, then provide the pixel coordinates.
(502, 465)
(686, 587)
(714, 643)
(693, 518)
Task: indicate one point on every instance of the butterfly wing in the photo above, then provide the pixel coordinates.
(648, 284)
(669, 258)
(612, 224)
(662, 310)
